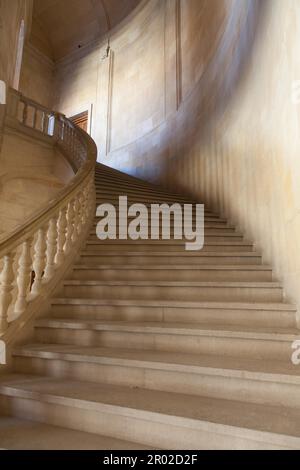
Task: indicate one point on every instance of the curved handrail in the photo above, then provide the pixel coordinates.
(35, 255)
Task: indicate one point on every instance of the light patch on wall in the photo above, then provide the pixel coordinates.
(2, 353)
(2, 92)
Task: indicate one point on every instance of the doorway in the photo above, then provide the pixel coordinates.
(81, 120)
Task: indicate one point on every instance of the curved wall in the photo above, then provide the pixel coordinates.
(197, 95)
(158, 58)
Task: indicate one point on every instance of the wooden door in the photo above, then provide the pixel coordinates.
(81, 120)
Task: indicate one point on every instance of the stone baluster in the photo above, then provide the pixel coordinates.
(45, 123)
(39, 262)
(24, 276)
(62, 236)
(6, 286)
(25, 113)
(77, 227)
(51, 250)
(35, 116)
(70, 225)
(81, 210)
(13, 102)
(85, 206)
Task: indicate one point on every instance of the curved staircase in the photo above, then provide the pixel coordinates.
(147, 345)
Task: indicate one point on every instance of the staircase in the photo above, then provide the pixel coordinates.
(147, 346)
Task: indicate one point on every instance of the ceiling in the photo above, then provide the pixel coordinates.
(61, 26)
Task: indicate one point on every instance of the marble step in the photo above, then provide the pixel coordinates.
(182, 291)
(246, 315)
(171, 273)
(151, 418)
(23, 434)
(272, 382)
(259, 343)
(174, 258)
(166, 245)
(209, 236)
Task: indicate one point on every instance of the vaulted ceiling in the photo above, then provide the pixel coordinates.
(61, 26)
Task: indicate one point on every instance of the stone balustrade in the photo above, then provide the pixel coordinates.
(34, 257)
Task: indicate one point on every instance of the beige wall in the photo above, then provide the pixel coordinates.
(32, 172)
(196, 94)
(37, 76)
(158, 57)
(12, 12)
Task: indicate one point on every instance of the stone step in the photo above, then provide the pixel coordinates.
(159, 290)
(23, 434)
(174, 273)
(133, 197)
(174, 258)
(264, 344)
(246, 315)
(215, 230)
(124, 188)
(113, 192)
(116, 183)
(215, 226)
(274, 382)
(165, 245)
(151, 418)
(212, 236)
(207, 218)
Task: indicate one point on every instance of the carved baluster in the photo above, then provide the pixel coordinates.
(45, 123)
(85, 206)
(51, 250)
(35, 116)
(70, 225)
(25, 113)
(77, 227)
(39, 262)
(79, 215)
(67, 137)
(24, 276)
(6, 286)
(63, 127)
(62, 236)
(91, 195)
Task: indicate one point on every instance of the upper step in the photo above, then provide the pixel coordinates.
(175, 290)
(246, 315)
(135, 257)
(166, 245)
(174, 273)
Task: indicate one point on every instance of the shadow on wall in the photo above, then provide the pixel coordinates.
(162, 154)
(202, 113)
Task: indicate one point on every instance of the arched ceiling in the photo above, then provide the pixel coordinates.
(61, 26)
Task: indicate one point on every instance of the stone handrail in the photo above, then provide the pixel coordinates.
(36, 255)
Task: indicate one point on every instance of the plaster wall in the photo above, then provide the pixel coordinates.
(31, 173)
(37, 76)
(12, 12)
